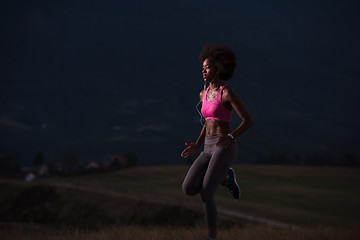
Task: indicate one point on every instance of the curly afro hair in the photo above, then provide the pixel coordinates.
(222, 57)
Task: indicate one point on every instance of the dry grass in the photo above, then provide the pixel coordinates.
(294, 194)
(250, 232)
(147, 203)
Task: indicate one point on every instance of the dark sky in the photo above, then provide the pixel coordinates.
(106, 77)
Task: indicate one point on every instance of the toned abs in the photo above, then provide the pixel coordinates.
(215, 127)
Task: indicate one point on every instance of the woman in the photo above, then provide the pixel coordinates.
(220, 149)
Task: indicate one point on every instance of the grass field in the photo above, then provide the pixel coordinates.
(251, 232)
(147, 203)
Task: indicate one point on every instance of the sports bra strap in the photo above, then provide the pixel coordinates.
(220, 93)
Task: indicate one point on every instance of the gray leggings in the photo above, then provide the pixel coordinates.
(206, 173)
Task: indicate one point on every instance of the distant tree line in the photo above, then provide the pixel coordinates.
(68, 163)
(318, 159)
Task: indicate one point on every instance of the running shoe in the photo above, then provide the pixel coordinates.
(231, 184)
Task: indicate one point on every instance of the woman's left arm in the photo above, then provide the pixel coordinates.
(230, 98)
(241, 110)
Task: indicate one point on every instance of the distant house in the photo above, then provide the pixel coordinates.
(30, 177)
(32, 173)
(28, 173)
(90, 164)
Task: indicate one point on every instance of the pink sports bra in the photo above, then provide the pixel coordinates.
(215, 109)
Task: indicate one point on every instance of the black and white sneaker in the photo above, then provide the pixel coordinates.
(231, 184)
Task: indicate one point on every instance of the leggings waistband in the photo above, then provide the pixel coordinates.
(212, 140)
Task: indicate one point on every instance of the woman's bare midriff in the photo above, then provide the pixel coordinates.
(216, 127)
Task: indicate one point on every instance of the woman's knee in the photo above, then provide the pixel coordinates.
(188, 190)
(207, 192)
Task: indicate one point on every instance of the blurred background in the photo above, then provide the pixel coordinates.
(94, 81)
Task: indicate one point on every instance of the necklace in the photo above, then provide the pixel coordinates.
(214, 92)
(215, 88)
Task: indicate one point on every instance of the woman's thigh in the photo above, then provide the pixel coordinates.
(194, 178)
(219, 164)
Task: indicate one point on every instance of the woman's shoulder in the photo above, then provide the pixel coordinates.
(202, 93)
(228, 92)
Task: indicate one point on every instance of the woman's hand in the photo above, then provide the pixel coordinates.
(191, 149)
(223, 141)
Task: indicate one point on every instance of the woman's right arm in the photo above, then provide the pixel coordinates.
(193, 147)
(201, 137)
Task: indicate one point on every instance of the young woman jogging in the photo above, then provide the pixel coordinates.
(212, 167)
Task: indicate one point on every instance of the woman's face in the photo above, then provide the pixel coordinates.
(209, 71)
